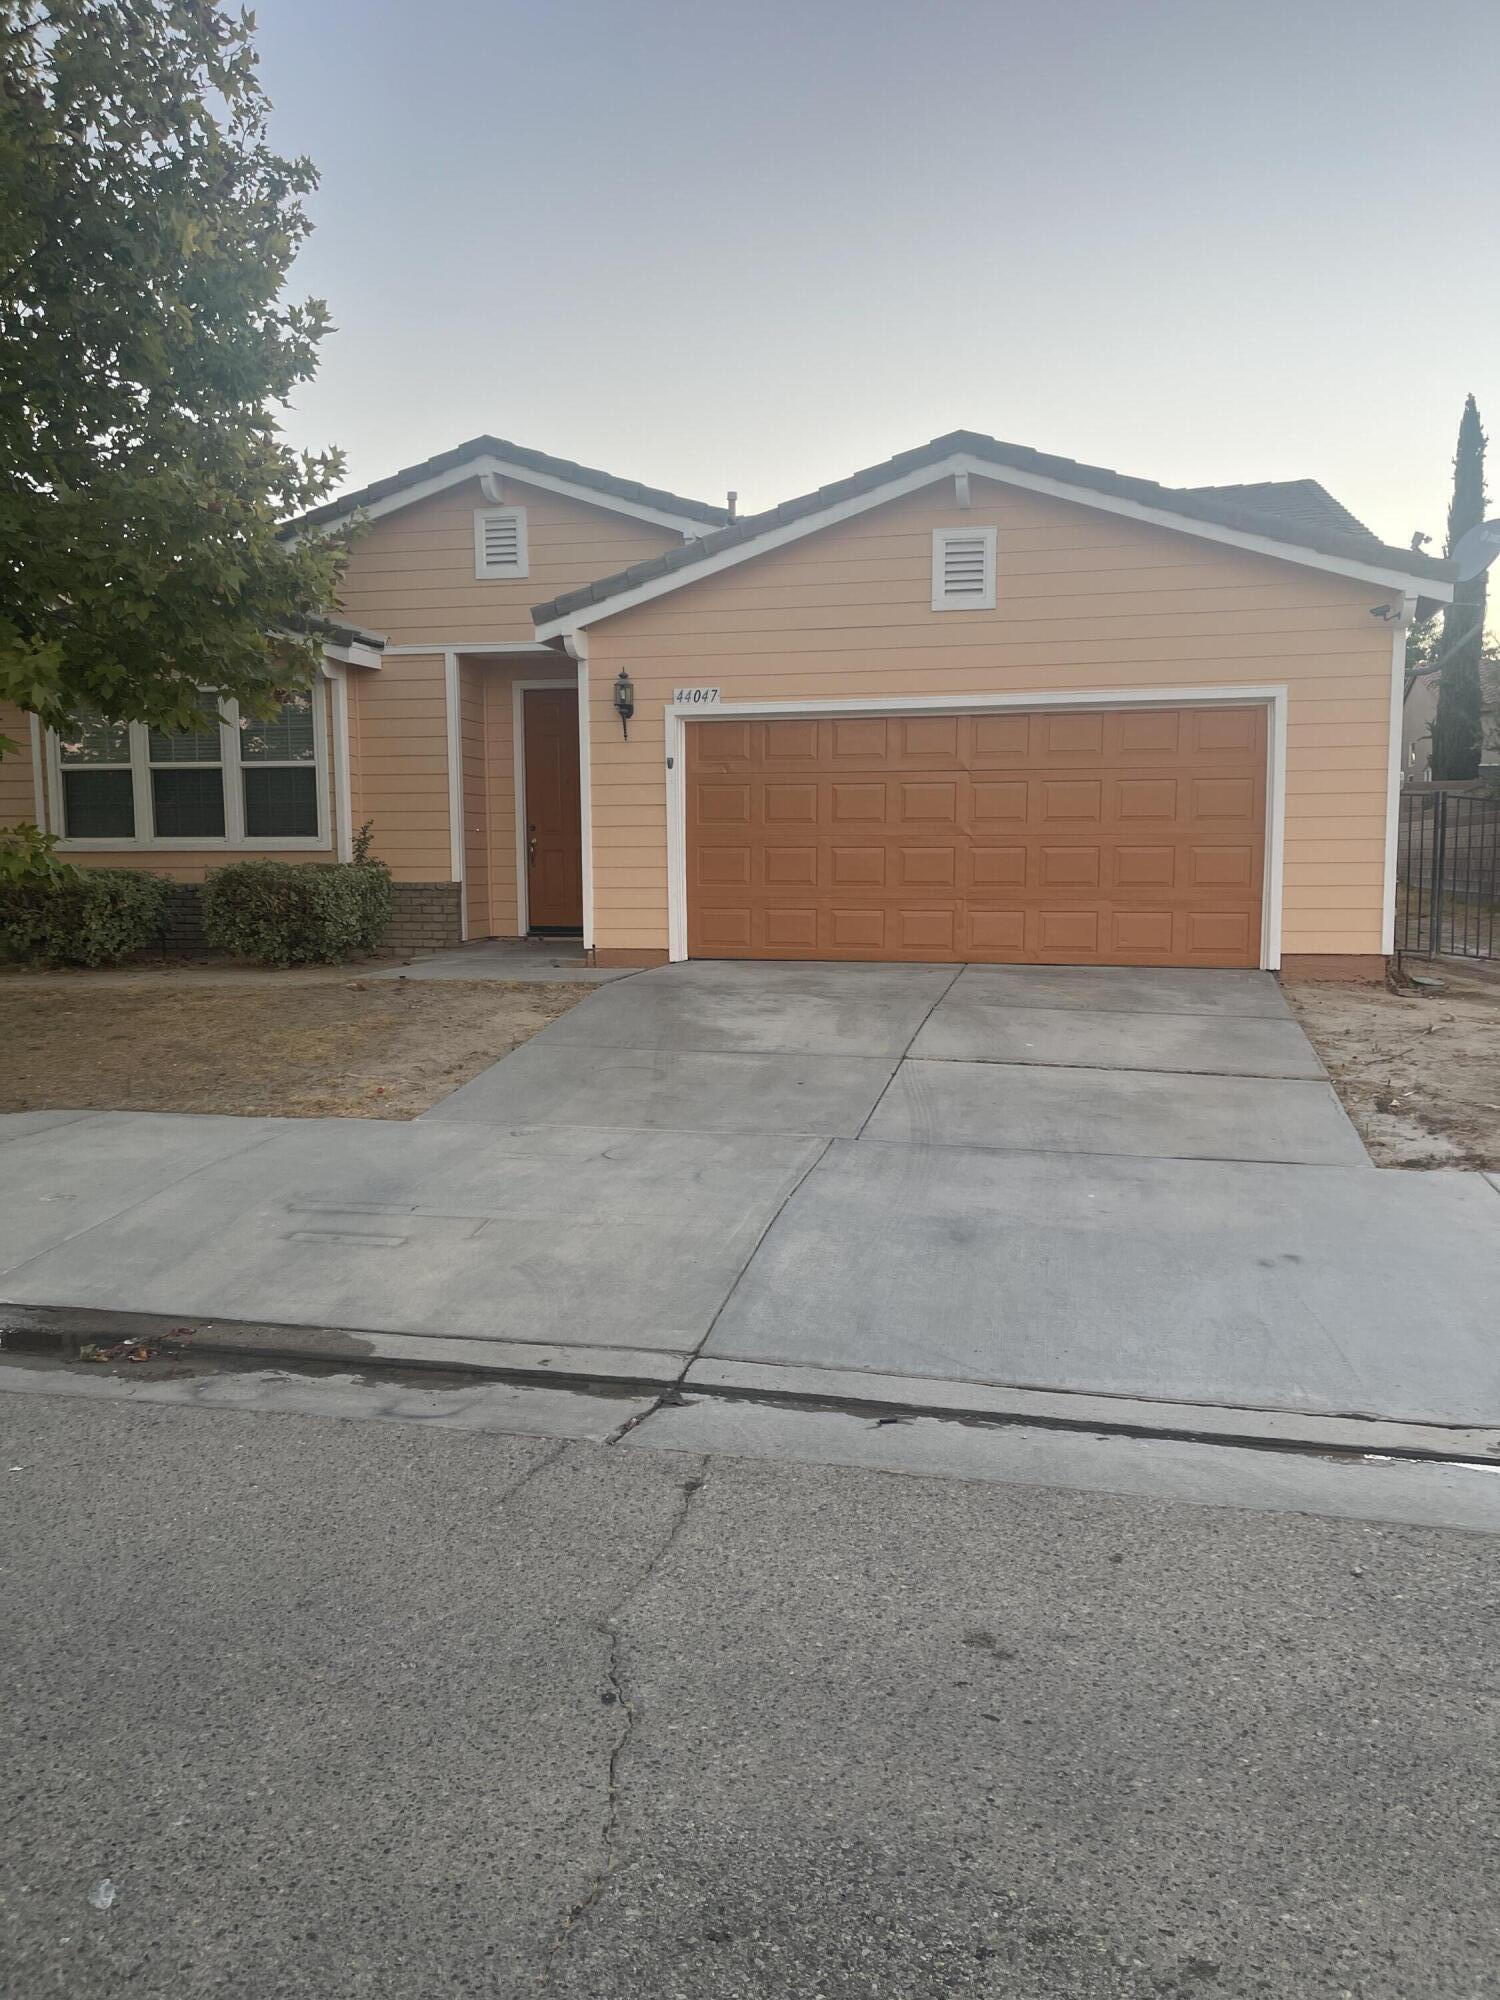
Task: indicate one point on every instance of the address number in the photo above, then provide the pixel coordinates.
(696, 697)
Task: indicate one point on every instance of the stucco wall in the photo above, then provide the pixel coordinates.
(1085, 600)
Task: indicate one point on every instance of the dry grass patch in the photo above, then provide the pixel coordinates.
(277, 1044)
(1419, 1073)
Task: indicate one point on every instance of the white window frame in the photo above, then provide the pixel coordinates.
(483, 571)
(940, 540)
(234, 839)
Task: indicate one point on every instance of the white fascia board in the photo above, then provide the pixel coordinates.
(354, 655)
(532, 647)
(523, 475)
(1002, 475)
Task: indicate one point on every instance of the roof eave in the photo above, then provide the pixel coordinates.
(458, 471)
(598, 605)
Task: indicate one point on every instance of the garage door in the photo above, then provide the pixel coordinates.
(1099, 837)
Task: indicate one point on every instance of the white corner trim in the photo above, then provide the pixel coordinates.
(454, 720)
(518, 692)
(1393, 772)
(520, 475)
(343, 791)
(1002, 475)
(1270, 695)
(586, 791)
(39, 806)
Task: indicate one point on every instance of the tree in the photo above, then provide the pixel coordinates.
(146, 230)
(1457, 725)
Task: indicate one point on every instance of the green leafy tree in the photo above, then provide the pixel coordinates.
(146, 230)
(1457, 725)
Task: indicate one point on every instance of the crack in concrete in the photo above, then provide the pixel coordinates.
(617, 1694)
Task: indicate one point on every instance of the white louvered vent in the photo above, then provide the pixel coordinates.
(500, 541)
(963, 569)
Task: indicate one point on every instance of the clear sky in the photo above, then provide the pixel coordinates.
(765, 244)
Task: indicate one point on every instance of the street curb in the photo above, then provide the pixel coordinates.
(63, 1331)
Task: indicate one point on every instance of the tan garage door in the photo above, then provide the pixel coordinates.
(1099, 837)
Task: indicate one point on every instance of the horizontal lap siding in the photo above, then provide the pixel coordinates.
(1084, 601)
(18, 801)
(476, 820)
(403, 762)
(411, 575)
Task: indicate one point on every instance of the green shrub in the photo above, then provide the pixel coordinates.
(285, 913)
(81, 916)
(27, 859)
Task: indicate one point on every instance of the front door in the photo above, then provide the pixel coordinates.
(554, 840)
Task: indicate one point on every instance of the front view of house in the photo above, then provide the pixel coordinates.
(973, 704)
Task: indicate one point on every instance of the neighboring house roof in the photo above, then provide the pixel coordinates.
(492, 454)
(1306, 524)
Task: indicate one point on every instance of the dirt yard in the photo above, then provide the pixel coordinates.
(1419, 1073)
(307, 1044)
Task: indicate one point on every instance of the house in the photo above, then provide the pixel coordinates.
(974, 703)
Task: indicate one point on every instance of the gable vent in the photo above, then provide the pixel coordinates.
(500, 541)
(963, 569)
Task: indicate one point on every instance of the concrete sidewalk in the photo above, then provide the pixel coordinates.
(776, 1168)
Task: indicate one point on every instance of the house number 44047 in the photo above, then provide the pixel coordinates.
(696, 697)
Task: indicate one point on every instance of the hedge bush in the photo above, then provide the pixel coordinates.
(284, 913)
(94, 916)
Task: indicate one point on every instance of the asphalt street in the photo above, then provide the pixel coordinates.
(389, 1709)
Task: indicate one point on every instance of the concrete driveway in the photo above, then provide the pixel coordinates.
(1130, 1183)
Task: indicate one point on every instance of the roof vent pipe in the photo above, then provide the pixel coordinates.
(733, 504)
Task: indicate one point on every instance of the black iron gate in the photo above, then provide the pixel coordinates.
(1447, 874)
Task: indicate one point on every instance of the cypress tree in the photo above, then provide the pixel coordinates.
(1456, 727)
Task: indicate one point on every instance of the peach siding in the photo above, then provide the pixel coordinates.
(472, 706)
(411, 576)
(354, 681)
(18, 801)
(188, 864)
(403, 763)
(1085, 600)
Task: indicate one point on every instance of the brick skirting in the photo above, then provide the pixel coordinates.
(425, 916)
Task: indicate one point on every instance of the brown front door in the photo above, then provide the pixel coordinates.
(1084, 837)
(554, 838)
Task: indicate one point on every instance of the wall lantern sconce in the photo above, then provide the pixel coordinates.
(624, 700)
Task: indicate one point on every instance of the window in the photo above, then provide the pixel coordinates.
(97, 786)
(277, 767)
(963, 569)
(187, 780)
(500, 542)
(244, 782)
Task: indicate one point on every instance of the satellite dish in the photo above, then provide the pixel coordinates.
(1476, 549)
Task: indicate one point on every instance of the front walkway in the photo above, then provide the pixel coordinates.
(1129, 1184)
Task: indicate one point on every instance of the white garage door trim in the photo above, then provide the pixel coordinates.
(1274, 698)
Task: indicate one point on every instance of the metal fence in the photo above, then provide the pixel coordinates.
(1448, 874)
